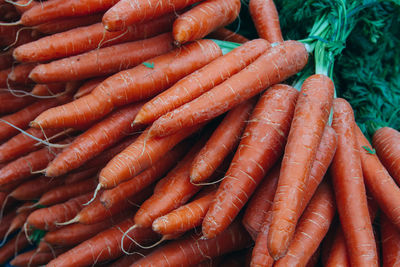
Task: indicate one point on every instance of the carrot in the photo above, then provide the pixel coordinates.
(349, 189)
(34, 188)
(310, 117)
(224, 34)
(261, 202)
(104, 246)
(390, 242)
(133, 85)
(46, 218)
(266, 20)
(23, 5)
(95, 140)
(193, 249)
(20, 73)
(88, 87)
(6, 60)
(11, 103)
(56, 9)
(224, 139)
(288, 57)
(61, 25)
(129, 188)
(102, 61)
(17, 222)
(311, 229)
(80, 175)
(386, 141)
(34, 258)
(48, 89)
(82, 39)
(204, 18)
(18, 243)
(125, 12)
(127, 260)
(254, 157)
(201, 81)
(5, 223)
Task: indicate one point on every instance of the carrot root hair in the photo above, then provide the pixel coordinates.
(209, 183)
(26, 233)
(16, 38)
(5, 237)
(10, 23)
(18, 4)
(74, 220)
(98, 188)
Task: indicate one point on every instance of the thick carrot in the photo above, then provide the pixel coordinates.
(61, 25)
(261, 202)
(108, 60)
(88, 87)
(390, 242)
(34, 188)
(349, 188)
(193, 249)
(34, 258)
(204, 18)
(19, 74)
(311, 229)
(126, 12)
(46, 218)
(266, 20)
(224, 139)
(95, 140)
(201, 80)
(104, 246)
(48, 89)
(386, 141)
(255, 155)
(18, 243)
(227, 35)
(310, 117)
(19, 220)
(11, 103)
(56, 9)
(274, 66)
(133, 85)
(82, 39)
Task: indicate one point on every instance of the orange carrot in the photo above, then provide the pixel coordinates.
(266, 20)
(390, 242)
(33, 189)
(127, 260)
(48, 89)
(310, 117)
(227, 35)
(104, 246)
(23, 5)
(108, 60)
(11, 103)
(5, 223)
(254, 157)
(386, 140)
(88, 87)
(274, 66)
(12, 247)
(133, 85)
(95, 140)
(202, 19)
(19, 74)
(80, 175)
(18, 221)
(82, 39)
(349, 188)
(201, 81)
(61, 25)
(311, 229)
(34, 258)
(338, 255)
(126, 13)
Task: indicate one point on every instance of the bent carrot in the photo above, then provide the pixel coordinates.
(62, 25)
(349, 188)
(132, 85)
(88, 87)
(33, 189)
(18, 243)
(390, 242)
(255, 155)
(274, 66)
(103, 61)
(202, 19)
(202, 80)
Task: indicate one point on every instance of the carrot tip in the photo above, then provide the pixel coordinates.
(74, 220)
(10, 23)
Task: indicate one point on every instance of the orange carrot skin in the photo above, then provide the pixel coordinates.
(33, 189)
(193, 250)
(386, 141)
(48, 89)
(61, 25)
(390, 242)
(102, 61)
(18, 243)
(349, 188)
(11, 103)
(183, 218)
(88, 87)
(6, 222)
(202, 80)
(309, 120)
(255, 155)
(224, 139)
(20, 73)
(338, 255)
(104, 246)
(34, 258)
(126, 12)
(378, 181)
(288, 57)
(46, 218)
(261, 202)
(314, 222)
(266, 20)
(82, 39)
(202, 19)
(80, 175)
(227, 35)
(95, 140)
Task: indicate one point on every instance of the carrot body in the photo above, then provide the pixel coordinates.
(61, 25)
(11, 103)
(266, 20)
(34, 258)
(19, 220)
(18, 243)
(390, 243)
(309, 120)
(274, 66)
(48, 89)
(23, 5)
(202, 19)
(102, 61)
(33, 189)
(104, 246)
(386, 142)
(227, 35)
(201, 81)
(95, 140)
(311, 229)
(193, 250)
(88, 87)
(338, 255)
(255, 155)
(133, 85)
(82, 39)
(80, 175)
(349, 188)
(126, 12)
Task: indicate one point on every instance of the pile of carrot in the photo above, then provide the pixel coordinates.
(129, 138)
